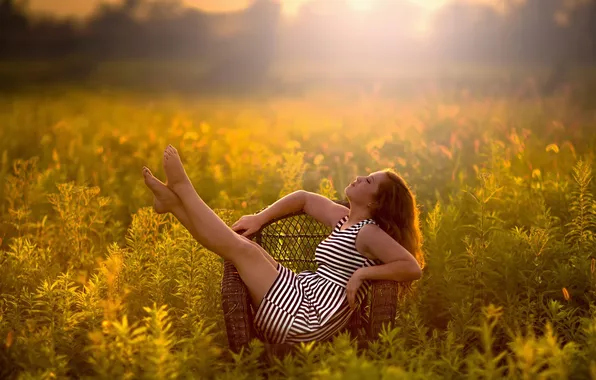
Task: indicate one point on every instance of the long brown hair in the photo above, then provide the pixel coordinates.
(395, 211)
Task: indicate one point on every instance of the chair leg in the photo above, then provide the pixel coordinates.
(383, 306)
(237, 311)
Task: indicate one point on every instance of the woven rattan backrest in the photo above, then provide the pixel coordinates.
(292, 240)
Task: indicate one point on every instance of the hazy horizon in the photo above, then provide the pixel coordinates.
(68, 8)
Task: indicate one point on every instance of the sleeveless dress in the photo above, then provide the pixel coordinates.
(313, 305)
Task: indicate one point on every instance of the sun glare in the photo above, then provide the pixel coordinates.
(367, 5)
(430, 4)
(361, 5)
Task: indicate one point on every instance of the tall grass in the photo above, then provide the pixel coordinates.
(95, 284)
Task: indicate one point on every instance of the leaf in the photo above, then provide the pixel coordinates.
(552, 148)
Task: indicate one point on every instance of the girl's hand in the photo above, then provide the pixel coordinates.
(352, 288)
(249, 224)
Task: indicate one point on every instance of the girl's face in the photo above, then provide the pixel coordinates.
(363, 189)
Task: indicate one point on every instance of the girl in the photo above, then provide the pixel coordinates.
(377, 238)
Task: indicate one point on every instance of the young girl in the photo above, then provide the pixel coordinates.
(377, 238)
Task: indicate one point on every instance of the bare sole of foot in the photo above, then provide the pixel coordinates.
(164, 199)
(175, 173)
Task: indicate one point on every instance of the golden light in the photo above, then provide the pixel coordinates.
(290, 7)
(430, 4)
(361, 5)
(367, 5)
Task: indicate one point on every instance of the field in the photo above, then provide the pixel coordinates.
(95, 284)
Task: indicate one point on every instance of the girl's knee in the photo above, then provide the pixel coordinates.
(240, 244)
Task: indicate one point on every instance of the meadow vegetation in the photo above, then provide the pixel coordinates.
(95, 284)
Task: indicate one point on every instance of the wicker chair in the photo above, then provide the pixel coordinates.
(292, 241)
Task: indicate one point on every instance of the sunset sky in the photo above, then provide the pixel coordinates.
(84, 7)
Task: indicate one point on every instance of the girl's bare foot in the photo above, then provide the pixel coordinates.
(175, 173)
(164, 200)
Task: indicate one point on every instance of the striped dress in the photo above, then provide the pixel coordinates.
(313, 305)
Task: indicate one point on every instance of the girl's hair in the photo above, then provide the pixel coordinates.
(396, 212)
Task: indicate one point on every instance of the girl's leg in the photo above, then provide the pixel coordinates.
(165, 200)
(256, 271)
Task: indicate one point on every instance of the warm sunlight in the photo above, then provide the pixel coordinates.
(361, 5)
(289, 7)
(366, 5)
(430, 4)
(182, 183)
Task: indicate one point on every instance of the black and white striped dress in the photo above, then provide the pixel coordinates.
(313, 305)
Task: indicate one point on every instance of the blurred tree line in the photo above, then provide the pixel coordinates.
(519, 31)
(130, 29)
(236, 47)
(241, 46)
